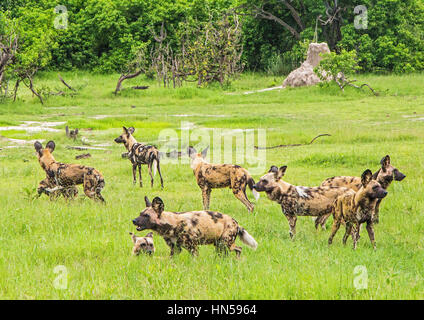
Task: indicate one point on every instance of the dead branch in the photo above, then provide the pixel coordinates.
(83, 156)
(67, 85)
(124, 77)
(294, 145)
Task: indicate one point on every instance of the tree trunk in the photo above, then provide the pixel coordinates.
(123, 77)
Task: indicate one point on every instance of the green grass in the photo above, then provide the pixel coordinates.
(91, 240)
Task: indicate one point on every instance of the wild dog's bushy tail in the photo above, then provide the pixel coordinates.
(247, 239)
(251, 182)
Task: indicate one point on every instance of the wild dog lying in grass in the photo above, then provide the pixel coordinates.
(188, 230)
(357, 207)
(295, 200)
(144, 244)
(139, 154)
(384, 176)
(64, 177)
(210, 176)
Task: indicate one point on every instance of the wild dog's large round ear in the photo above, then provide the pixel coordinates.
(273, 169)
(131, 130)
(158, 205)
(38, 146)
(125, 129)
(281, 172)
(205, 152)
(191, 152)
(366, 177)
(385, 161)
(148, 203)
(149, 235)
(51, 146)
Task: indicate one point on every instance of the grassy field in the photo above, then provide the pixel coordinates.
(91, 240)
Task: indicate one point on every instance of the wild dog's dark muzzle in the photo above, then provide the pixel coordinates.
(119, 140)
(399, 176)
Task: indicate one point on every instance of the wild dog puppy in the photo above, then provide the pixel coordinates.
(49, 187)
(190, 229)
(295, 200)
(65, 177)
(139, 154)
(210, 176)
(384, 176)
(357, 207)
(144, 244)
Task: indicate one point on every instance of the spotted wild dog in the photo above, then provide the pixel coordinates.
(49, 187)
(139, 154)
(190, 229)
(296, 200)
(384, 176)
(211, 176)
(356, 208)
(143, 244)
(65, 177)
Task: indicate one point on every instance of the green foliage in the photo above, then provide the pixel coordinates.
(333, 65)
(101, 33)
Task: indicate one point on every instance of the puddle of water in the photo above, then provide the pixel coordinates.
(19, 142)
(35, 126)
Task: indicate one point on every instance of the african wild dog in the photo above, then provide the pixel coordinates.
(64, 177)
(210, 176)
(357, 207)
(144, 244)
(295, 200)
(139, 154)
(190, 229)
(49, 187)
(384, 176)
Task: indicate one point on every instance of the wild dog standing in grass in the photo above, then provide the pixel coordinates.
(357, 207)
(295, 200)
(188, 230)
(144, 244)
(384, 176)
(139, 154)
(210, 176)
(64, 177)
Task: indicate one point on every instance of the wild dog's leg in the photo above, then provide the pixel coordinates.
(206, 195)
(237, 249)
(139, 174)
(239, 194)
(149, 165)
(323, 221)
(134, 171)
(292, 224)
(238, 185)
(160, 174)
(348, 232)
(334, 229)
(93, 187)
(220, 247)
(370, 230)
(376, 212)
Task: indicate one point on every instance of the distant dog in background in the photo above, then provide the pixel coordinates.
(384, 176)
(210, 176)
(355, 208)
(139, 154)
(143, 244)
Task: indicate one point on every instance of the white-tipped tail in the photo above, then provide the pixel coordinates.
(256, 194)
(247, 239)
(155, 167)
